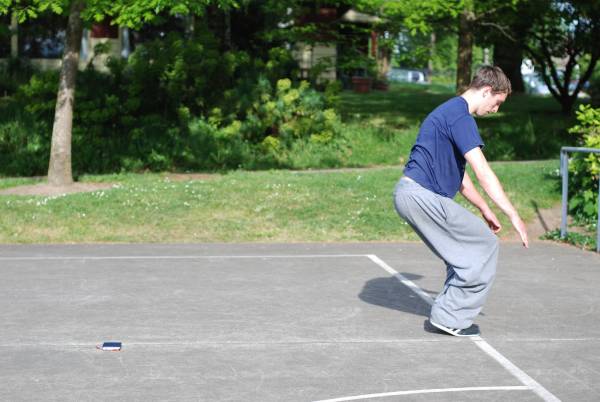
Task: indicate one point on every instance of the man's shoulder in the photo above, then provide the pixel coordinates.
(453, 106)
(456, 102)
(463, 120)
(451, 111)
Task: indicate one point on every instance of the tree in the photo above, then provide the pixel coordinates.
(508, 51)
(464, 17)
(131, 13)
(567, 33)
(560, 36)
(509, 58)
(464, 61)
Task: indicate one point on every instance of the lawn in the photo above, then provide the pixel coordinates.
(269, 206)
(381, 126)
(294, 206)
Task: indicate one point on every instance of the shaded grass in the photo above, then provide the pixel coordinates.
(270, 206)
(526, 127)
(374, 144)
(378, 129)
(18, 181)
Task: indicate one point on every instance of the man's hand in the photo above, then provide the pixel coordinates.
(521, 229)
(491, 220)
(490, 183)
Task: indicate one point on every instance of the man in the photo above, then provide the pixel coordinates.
(435, 172)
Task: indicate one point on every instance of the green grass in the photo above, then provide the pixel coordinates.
(287, 206)
(17, 181)
(270, 206)
(526, 127)
(378, 129)
(581, 240)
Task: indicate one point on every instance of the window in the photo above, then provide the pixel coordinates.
(43, 37)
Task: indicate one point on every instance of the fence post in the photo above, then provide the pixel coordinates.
(598, 222)
(564, 170)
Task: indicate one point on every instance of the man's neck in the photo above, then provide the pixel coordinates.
(472, 98)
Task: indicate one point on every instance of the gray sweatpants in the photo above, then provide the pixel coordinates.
(465, 243)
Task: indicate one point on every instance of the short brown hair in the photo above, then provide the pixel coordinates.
(492, 76)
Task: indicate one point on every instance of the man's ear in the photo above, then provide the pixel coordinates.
(486, 91)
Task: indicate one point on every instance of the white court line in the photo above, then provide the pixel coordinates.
(227, 343)
(550, 339)
(482, 344)
(254, 343)
(404, 280)
(514, 370)
(426, 391)
(177, 257)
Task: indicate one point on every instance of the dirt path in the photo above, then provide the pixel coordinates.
(545, 220)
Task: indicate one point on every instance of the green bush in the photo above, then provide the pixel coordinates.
(137, 116)
(22, 153)
(270, 133)
(585, 168)
(593, 88)
(13, 73)
(25, 138)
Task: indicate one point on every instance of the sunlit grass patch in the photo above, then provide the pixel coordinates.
(269, 206)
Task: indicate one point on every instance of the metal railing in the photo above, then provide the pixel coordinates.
(564, 171)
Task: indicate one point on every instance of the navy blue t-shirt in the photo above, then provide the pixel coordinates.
(437, 159)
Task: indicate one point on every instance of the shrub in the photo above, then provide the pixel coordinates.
(267, 134)
(137, 116)
(289, 113)
(24, 147)
(594, 88)
(14, 72)
(585, 168)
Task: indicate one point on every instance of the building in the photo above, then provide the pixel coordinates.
(326, 50)
(42, 41)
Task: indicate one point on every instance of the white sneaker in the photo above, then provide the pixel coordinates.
(473, 330)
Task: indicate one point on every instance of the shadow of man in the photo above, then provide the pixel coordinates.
(390, 293)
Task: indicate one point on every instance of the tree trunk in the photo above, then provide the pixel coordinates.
(566, 104)
(190, 26)
(385, 55)
(465, 51)
(14, 38)
(59, 170)
(486, 56)
(228, 29)
(431, 56)
(509, 57)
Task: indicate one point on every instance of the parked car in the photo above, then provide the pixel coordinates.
(536, 86)
(406, 75)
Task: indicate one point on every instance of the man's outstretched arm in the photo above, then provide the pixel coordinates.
(490, 183)
(468, 190)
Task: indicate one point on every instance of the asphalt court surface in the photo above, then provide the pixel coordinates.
(290, 322)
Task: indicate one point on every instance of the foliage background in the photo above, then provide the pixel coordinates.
(585, 168)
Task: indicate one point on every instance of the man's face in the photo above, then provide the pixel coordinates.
(490, 101)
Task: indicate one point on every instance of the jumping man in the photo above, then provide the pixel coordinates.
(435, 172)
